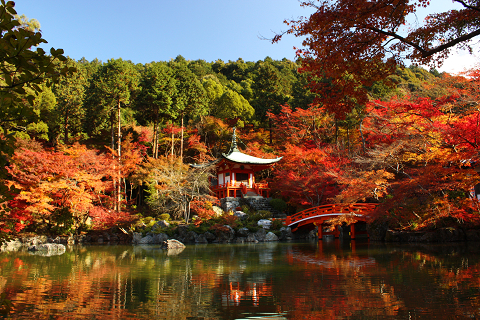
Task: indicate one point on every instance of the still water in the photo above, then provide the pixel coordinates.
(324, 280)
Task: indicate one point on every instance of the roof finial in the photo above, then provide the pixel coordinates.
(233, 147)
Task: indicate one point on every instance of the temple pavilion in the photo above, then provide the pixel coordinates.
(235, 174)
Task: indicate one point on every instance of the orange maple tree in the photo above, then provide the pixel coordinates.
(74, 182)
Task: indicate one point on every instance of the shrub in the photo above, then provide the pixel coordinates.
(277, 224)
(278, 204)
(165, 216)
(264, 214)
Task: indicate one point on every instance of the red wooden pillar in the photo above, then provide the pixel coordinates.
(352, 231)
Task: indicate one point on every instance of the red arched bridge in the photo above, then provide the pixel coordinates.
(317, 216)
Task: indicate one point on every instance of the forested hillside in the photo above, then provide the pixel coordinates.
(98, 144)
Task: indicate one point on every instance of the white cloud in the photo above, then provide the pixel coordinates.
(461, 61)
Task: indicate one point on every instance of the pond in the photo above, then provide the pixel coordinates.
(320, 280)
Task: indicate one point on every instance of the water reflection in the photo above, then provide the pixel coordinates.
(325, 280)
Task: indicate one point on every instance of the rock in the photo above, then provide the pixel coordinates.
(241, 240)
(286, 233)
(271, 237)
(241, 215)
(218, 211)
(172, 244)
(210, 236)
(49, 248)
(159, 238)
(251, 238)
(201, 239)
(229, 203)
(312, 235)
(160, 224)
(264, 223)
(260, 235)
(12, 245)
(188, 237)
(33, 241)
(146, 240)
(182, 230)
(242, 232)
(227, 234)
(444, 235)
(137, 236)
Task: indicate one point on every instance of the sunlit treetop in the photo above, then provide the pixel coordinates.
(356, 42)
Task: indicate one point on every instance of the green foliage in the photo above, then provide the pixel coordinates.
(112, 86)
(164, 216)
(62, 222)
(278, 204)
(277, 224)
(22, 73)
(201, 228)
(264, 214)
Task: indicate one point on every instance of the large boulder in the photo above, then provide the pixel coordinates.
(189, 237)
(201, 239)
(271, 237)
(264, 223)
(11, 245)
(137, 236)
(172, 244)
(146, 240)
(241, 215)
(210, 236)
(159, 238)
(260, 235)
(286, 233)
(173, 247)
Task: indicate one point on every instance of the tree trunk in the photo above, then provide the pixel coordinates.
(112, 133)
(65, 128)
(181, 144)
(119, 151)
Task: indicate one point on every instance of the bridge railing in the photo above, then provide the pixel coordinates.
(356, 208)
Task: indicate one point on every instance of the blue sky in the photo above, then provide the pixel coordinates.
(158, 30)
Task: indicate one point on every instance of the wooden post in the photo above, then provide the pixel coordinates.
(352, 231)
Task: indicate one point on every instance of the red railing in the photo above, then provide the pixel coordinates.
(229, 188)
(325, 212)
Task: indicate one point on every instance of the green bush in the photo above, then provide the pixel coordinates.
(164, 216)
(278, 204)
(264, 214)
(277, 224)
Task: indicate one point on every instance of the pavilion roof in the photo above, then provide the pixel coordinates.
(237, 156)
